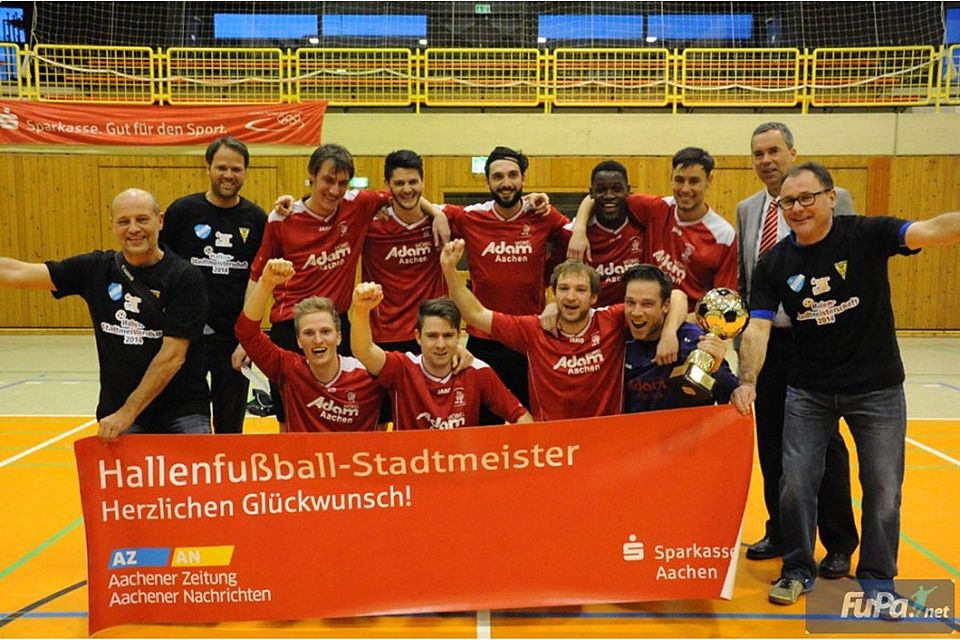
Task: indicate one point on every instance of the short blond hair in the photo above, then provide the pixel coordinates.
(315, 304)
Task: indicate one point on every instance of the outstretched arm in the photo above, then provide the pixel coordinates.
(941, 230)
(753, 351)
(16, 274)
(472, 310)
(366, 296)
(441, 226)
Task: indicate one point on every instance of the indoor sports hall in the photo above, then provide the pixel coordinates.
(870, 89)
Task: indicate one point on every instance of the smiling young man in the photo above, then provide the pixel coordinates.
(425, 390)
(579, 372)
(322, 390)
(220, 231)
(685, 237)
(646, 304)
(831, 277)
(147, 306)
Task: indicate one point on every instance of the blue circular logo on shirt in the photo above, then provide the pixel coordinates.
(115, 291)
(202, 231)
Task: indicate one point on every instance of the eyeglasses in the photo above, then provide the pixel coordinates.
(805, 200)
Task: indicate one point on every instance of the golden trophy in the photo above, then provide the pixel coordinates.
(720, 312)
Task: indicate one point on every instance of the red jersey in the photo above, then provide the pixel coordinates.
(324, 251)
(697, 256)
(349, 402)
(612, 252)
(507, 258)
(403, 259)
(423, 401)
(578, 376)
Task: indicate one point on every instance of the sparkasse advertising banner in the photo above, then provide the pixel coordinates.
(24, 122)
(279, 527)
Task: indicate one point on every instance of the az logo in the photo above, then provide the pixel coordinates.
(124, 558)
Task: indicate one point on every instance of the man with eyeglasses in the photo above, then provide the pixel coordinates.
(830, 276)
(760, 225)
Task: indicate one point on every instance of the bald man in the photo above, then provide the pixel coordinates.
(147, 307)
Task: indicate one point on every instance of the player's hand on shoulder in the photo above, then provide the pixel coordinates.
(367, 295)
(579, 247)
(550, 319)
(284, 205)
(537, 202)
(462, 359)
(668, 349)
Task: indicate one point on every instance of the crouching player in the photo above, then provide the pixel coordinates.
(322, 391)
(425, 390)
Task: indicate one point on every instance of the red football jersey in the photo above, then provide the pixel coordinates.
(698, 256)
(324, 251)
(612, 252)
(506, 257)
(403, 259)
(349, 402)
(578, 376)
(423, 401)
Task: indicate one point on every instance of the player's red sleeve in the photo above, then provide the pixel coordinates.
(392, 370)
(513, 331)
(269, 248)
(454, 215)
(497, 398)
(641, 207)
(265, 354)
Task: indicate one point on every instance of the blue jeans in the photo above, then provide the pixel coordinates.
(878, 423)
(195, 423)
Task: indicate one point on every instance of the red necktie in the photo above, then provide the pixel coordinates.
(768, 237)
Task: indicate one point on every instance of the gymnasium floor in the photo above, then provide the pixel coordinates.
(48, 387)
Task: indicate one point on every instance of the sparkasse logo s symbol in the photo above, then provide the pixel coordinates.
(9, 120)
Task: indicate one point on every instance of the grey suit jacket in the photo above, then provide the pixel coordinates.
(750, 215)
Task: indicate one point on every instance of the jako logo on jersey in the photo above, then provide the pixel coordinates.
(796, 282)
(328, 260)
(506, 252)
(202, 231)
(115, 291)
(575, 364)
(453, 421)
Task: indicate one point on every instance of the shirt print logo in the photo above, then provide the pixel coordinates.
(796, 282)
(115, 291)
(841, 268)
(202, 231)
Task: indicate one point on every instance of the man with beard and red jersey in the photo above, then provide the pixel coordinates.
(506, 252)
(577, 374)
(426, 391)
(685, 237)
(322, 390)
(323, 237)
(399, 253)
(220, 231)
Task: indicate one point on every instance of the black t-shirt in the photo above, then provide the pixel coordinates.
(837, 294)
(130, 330)
(222, 242)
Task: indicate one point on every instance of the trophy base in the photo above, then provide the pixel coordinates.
(695, 383)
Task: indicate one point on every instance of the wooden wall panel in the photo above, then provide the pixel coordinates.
(58, 205)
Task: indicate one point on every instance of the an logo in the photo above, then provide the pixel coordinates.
(115, 291)
(796, 282)
(880, 606)
(132, 303)
(277, 122)
(525, 231)
(344, 227)
(9, 120)
(453, 420)
(820, 286)
(507, 252)
(841, 268)
(635, 245)
(202, 231)
(574, 364)
(459, 397)
(632, 549)
(244, 232)
(223, 239)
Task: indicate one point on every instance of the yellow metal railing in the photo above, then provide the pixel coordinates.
(494, 77)
(951, 75)
(343, 77)
(740, 77)
(102, 75)
(872, 76)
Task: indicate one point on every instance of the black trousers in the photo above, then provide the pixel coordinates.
(838, 530)
(284, 335)
(510, 366)
(228, 387)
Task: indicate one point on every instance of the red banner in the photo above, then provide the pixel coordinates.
(279, 527)
(23, 122)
